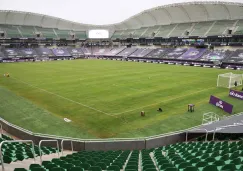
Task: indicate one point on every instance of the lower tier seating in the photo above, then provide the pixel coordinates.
(191, 156)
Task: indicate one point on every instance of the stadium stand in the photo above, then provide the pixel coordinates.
(193, 54)
(117, 34)
(17, 151)
(239, 28)
(27, 31)
(11, 31)
(44, 52)
(114, 51)
(190, 156)
(63, 34)
(150, 32)
(215, 55)
(28, 52)
(76, 52)
(165, 30)
(80, 35)
(158, 53)
(126, 52)
(46, 32)
(220, 27)
(127, 34)
(235, 57)
(175, 53)
(139, 33)
(181, 30)
(201, 28)
(141, 52)
(12, 53)
(100, 51)
(86, 51)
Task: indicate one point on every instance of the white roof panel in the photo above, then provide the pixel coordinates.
(162, 15)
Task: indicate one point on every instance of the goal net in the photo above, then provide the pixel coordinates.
(229, 80)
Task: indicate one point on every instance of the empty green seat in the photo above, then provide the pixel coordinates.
(114, 168)
(76, 169)
(38, 169)
(57, 169)
(50, 166)
(85, 166)
(210, 168)
(171, 169)
(190, 168)
(20, 169)
(101, 165)
(95, 168)
(151, 169)
(66, 166)
(229, 167)
(34, 166)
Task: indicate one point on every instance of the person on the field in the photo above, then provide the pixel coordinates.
(236, 83)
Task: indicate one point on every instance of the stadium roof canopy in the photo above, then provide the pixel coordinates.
(162, 15)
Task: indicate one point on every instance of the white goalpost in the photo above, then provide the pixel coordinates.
(229, 80)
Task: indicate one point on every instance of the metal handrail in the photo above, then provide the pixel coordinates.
(206, 137)
(62, 145)
(47, 141)
(224, 127)
(110, 139)
(12, 141)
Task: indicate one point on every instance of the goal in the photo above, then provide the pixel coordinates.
(228, 80)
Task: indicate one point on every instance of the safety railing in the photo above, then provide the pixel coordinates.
(62, 145)
(47, 141)
(13, 141)
(225, 127)
(206, 136)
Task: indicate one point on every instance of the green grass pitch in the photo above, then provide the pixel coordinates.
(103, 99)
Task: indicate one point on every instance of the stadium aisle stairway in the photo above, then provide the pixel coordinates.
(191, 156)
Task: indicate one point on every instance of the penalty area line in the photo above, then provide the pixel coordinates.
(81, 104)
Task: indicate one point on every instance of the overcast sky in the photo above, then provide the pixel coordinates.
(88, 11)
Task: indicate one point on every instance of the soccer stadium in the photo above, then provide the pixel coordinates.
(157, 90)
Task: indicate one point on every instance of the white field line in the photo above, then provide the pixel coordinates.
(109, 114)
(81, 104)
(163, 101)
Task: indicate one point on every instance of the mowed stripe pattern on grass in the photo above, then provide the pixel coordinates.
(89, 91)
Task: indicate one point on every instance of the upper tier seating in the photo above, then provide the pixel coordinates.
(220, 27)
(27, 31)
(165, 30)
(181, 29)
(47, 32)
(239, 26)
(127, 34)
(80, 34)
(138, 33)
(11, 31)
(201, 28)
(150, 32)
(117, 34)
(63, 34)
